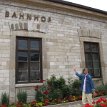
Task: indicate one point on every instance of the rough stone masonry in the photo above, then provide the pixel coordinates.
(63, 30)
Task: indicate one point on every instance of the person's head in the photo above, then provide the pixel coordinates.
(85, 70)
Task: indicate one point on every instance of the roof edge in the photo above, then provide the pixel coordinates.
(78, 6)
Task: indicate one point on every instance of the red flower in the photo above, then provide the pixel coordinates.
(93, 102)
(101, 100)
(104, 99)
(46, 92)
(46, 102)
(36, 88)
(33, 102)
(3, 105)
(42, 81)
(88, 105)
(103, 105)
(80, 97)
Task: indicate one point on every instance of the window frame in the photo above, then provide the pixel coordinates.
(91, 53)
(29, 61)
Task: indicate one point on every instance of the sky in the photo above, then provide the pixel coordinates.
(98, 4)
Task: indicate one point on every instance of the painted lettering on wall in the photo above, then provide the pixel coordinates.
(29, 22)
(27, 16)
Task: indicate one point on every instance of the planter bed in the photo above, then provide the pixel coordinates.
(71, 104)
(68, 104)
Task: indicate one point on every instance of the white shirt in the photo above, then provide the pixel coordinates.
(84, 85)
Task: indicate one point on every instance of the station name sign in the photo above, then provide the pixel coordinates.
(27, 16)
(28, 21)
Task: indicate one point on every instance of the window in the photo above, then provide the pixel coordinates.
(92, 58)
(28, 60)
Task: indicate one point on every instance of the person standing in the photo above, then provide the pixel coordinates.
(87, 86)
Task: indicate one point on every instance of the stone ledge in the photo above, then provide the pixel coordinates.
(28, 85)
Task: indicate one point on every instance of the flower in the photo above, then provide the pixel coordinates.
(33, 102)
(36, 88)
(103, 105)
(101, 102)
(88, 105)
(46, 92)
(46, 102)
(80, 97)
(42, 81)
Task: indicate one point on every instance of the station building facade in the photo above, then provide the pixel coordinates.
(48, 37)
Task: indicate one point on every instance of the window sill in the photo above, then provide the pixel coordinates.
(97, 78)
(28, 85)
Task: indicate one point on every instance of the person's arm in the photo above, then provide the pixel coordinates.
(77, 74)
(92, 84)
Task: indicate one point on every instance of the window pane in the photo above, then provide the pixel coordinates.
(22, 44)
(34, 45)
(95, 57)
(96, 65)
(87, 47)
(89, 65)
(91, 71)
(96, 72)
(94, 47)
(34, 75)
(34, 66)
(88, 57)
(35, 57)
(22, 76)
(22, 56)
(22, 66)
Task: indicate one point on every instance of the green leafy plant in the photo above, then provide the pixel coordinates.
(39, 96)
(41, 92)
(76, 88)
(65, 91)
(4, 99)
(101, 90)
(22, 96)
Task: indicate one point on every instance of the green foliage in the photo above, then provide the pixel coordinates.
(39, 96)
(5, 99)
(101, 90)
(76, 84)
(22, 96)
(57, 88)
(76, 88)
(66, 91)
(98, 105)
(54, 94)
(56, 83)
(41, 92)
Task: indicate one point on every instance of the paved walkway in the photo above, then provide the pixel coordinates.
(70, 104)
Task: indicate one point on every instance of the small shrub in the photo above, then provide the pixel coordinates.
(39, 96)
(101, 90)
(4, 99)
(76, 88)
(66, 91)
(22, 96)
(55, 94)
(41, 92)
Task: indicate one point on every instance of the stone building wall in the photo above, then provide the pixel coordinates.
(63, 34)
